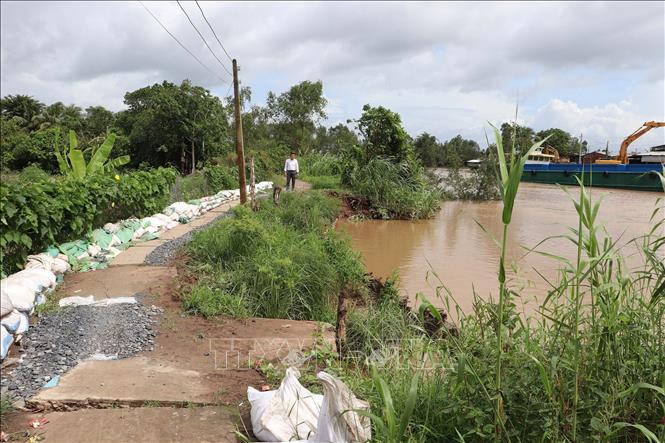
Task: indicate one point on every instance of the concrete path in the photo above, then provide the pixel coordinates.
(140, 425)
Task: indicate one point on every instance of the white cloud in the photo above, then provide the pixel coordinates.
(447, 68)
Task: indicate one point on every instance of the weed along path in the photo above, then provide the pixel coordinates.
(187, 388)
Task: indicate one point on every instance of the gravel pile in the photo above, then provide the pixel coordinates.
(162, 254)
(63, 338)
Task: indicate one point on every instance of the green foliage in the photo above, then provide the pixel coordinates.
(297, 111)
(166, 121)
(36, 215)
(209, 302)
(453, 153)
(33, 173)
(20, 108)
(482, 183)
(280, 262)
(395, 190)
(383, 134)
(73, 163)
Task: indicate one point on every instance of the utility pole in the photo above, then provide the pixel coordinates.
(240, 148)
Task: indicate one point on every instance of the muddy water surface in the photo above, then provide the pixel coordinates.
(465, 257)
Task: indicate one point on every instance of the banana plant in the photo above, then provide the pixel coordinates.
(73, 164)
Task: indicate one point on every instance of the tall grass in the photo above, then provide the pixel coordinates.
(396, 190)
(588, 367)
(281, 262)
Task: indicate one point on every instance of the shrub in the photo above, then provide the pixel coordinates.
(36, 215)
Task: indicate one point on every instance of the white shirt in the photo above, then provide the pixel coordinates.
(291, 165)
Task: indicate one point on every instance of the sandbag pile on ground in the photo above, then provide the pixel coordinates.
(22, 291)
(294, 414)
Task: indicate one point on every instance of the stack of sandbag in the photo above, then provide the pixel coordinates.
(27, 288)
(20, 293)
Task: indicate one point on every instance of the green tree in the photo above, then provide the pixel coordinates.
(98, 121)
(21, 107)
(428, 149)
(297, 111)
(458, 150)
(59, 115)
(178, 125)
(383, 135)
(335, 139)
(522, 136)
(558, 139)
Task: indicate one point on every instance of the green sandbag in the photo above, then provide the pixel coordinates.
(52, 251)
(102, 239)
(195, 202)
(74, 249)
(125, 234)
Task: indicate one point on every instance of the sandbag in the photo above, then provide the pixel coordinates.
(15, 322)
(6, 340)
(101, 238)
(94, 250)
(60, 266)
(6, 305)
(21, 298)
(338, 419)
(288, 413)
(35, 278)
(40, 261)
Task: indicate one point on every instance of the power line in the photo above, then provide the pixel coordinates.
(213, 31)
(181, 45)
(203, 38)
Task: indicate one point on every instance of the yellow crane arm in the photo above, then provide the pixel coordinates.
(622, 158)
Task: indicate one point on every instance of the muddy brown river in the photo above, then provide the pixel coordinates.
(454, 247)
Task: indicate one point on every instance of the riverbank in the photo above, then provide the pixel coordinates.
(457, 370)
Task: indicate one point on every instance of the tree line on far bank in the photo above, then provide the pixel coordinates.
(185, 126)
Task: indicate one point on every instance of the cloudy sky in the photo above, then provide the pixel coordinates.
(594, 68)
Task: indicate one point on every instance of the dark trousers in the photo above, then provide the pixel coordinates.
(291, 178)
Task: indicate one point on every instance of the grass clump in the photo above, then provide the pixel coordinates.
(395, 190)
(280, 262)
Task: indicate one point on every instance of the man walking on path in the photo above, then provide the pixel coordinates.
(291, 169)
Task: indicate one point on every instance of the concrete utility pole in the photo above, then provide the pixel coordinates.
(240, 148)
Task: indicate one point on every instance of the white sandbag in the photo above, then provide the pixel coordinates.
(83, 255)
(338, 419)
(293, 414)
(46, 278)
(60, 266)
(6, 340)
(138, 234)
(94, 250)
(35, 279)
(162, 217)
(63, 257)
(115, 240)
(171, 224)
(111, 228)
(153, 229)
(286, 414)
(21, 298)
(15, 322)
(40, 261)
(6, 305)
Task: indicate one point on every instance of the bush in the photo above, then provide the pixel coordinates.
(395, 190)
(280, 262)
(36, 215)
(210, 302)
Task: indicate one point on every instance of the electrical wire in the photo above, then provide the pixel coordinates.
(181, 45)
(203, 38)
(213, 31)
